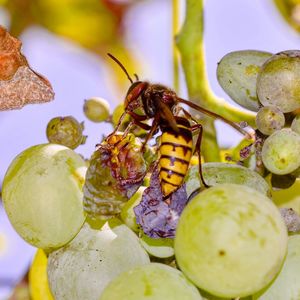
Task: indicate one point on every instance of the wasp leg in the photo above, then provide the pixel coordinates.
(151, 132)
(118, 125)
(137, 117)
(199, 127)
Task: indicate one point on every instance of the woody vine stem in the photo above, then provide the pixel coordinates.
(191, 48)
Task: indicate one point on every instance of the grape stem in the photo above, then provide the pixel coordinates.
(191, 47)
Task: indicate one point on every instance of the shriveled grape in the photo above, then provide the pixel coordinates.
(269, 119)
(151, 282)
(230, 240)
(278, 81)
(96, 109)
(237, 72)
(65, 131)
(280, 152)
(42, 195)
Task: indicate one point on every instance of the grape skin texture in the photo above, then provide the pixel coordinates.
(65, 131)
(280, 152)
(237, 73)
(269, 119)
(82, 269)
(278, 81)
(286, 286)
(230, 240)
(151, 282)
(42, 195)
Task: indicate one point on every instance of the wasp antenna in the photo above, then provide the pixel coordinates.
(136, 77)
(121, 66)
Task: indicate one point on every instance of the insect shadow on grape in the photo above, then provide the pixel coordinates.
(177, 126)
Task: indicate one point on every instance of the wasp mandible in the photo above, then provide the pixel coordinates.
(176, 146)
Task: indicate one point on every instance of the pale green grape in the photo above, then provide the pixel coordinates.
(286, 286)
(278, 81)
(82, 269)
(151, 282)
(161, 247)
(269, 119)
(280, 152)
(230, 240)
(42, 195)
(216, 173)
(96, 109)
(127, 213)
(237, 72)
(65, 131)
(296, 124)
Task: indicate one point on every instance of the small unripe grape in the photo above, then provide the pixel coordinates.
(280, 152)
(153, 281)
(296, 124)
(269, 119)
(230, 240)
(65, 131)
(278, 81)
(96, 109)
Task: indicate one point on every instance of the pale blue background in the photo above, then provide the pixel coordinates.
(76, 74)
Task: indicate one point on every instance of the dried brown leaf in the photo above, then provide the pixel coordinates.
(19, 84)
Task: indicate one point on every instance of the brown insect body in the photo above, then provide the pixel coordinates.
(162, 105)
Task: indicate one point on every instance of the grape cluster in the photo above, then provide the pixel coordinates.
(109, 233)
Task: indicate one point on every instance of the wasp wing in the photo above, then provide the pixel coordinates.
(166, 114)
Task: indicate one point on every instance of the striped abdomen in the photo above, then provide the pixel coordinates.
(175, 155)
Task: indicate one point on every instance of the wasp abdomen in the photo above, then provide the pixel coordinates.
(175, 155)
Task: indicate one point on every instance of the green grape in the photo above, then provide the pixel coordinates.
(161, 247)
(286, 286)
(278, 81)
(154, 281)
(296, 124)
(216, 173)
(230, 240)
(96, 109)
(82, 269)
(237, 72)
(117, 113)
(280, 152)
(42, 195)
(65, 131)
(269, 119)
(127, 214)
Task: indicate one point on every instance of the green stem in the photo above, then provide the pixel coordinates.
(175, 29)
(191, 47)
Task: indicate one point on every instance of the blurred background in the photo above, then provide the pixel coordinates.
(67, 41)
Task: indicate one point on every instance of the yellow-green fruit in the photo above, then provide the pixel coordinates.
(286, 286)
(280, 152)
(230, 240)
(278, 81)
(96, 109)
(83, 268)
(161, 247)
(42, 195)
(151, 282)
(127, 212)
(38, 281)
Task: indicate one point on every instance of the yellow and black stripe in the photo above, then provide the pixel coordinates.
(175, 155)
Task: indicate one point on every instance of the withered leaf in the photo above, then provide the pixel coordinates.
(19, 84)
(159, 218)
